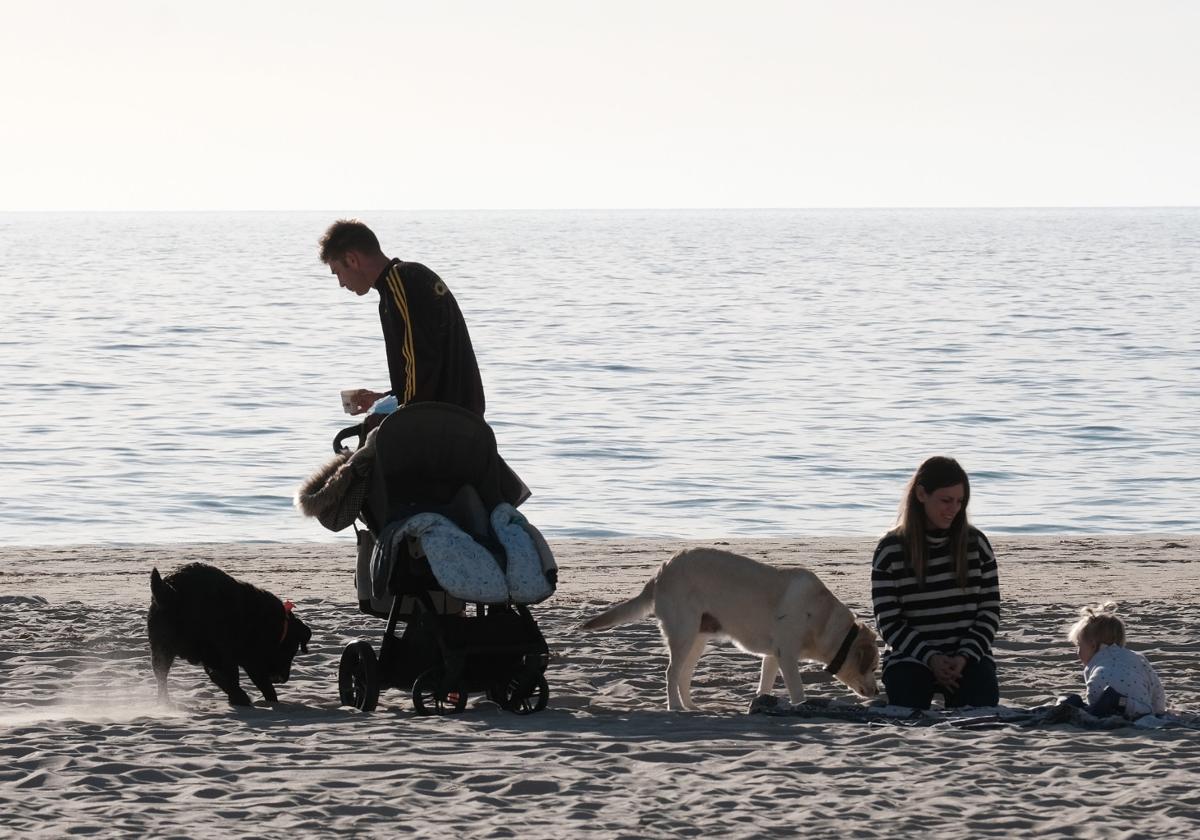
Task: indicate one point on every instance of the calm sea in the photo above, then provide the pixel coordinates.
(172, 377)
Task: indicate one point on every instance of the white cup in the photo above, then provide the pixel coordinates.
(349, 403)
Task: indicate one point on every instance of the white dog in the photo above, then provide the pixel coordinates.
(783, 615)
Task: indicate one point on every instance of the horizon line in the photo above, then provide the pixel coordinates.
(618, 209)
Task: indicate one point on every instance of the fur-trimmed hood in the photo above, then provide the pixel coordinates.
(334, 494)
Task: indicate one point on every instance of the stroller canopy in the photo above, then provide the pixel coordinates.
(427, 451)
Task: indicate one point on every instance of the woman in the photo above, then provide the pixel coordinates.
(936, 595)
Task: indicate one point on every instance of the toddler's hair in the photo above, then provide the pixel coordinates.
(1099, 625)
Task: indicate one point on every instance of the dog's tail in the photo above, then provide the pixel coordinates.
(637, 607)
(162, 592)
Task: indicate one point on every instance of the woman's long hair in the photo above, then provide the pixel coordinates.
(937, 472)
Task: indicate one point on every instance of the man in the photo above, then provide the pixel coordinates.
(429, 352)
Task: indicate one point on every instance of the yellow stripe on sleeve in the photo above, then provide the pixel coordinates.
(410, 356)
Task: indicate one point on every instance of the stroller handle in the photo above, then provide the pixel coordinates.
(349, 431)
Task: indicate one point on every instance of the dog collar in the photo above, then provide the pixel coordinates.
(839, 659)
(288, 606)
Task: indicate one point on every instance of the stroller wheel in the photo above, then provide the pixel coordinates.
(524, 699)
(432, 697)
(358, 676)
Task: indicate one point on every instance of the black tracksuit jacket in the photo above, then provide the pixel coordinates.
(429, 351)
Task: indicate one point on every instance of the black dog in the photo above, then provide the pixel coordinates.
(203, 615)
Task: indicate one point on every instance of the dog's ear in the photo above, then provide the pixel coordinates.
(305, 634)
(867, 653)
(161, 591)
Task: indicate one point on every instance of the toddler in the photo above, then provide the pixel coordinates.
(1119, 681)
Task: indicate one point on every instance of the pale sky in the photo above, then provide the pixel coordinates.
(391, 104)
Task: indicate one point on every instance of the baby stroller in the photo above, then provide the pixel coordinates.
(447, 555)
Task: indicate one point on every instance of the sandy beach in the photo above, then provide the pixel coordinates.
(87, 751)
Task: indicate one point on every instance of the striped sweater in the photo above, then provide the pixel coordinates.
(917, 622)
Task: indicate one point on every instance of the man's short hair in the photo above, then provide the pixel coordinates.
(346, 235)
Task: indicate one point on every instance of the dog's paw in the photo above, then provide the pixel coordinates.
(768, 703)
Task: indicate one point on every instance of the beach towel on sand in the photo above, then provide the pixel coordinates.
(463, 567)
(992, 717)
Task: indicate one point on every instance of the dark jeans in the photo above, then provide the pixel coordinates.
(910, 684)
(1111, 702)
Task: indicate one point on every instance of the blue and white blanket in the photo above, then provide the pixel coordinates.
(991, 717)
(463, 567)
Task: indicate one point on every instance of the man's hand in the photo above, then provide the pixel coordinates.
(362, 400)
